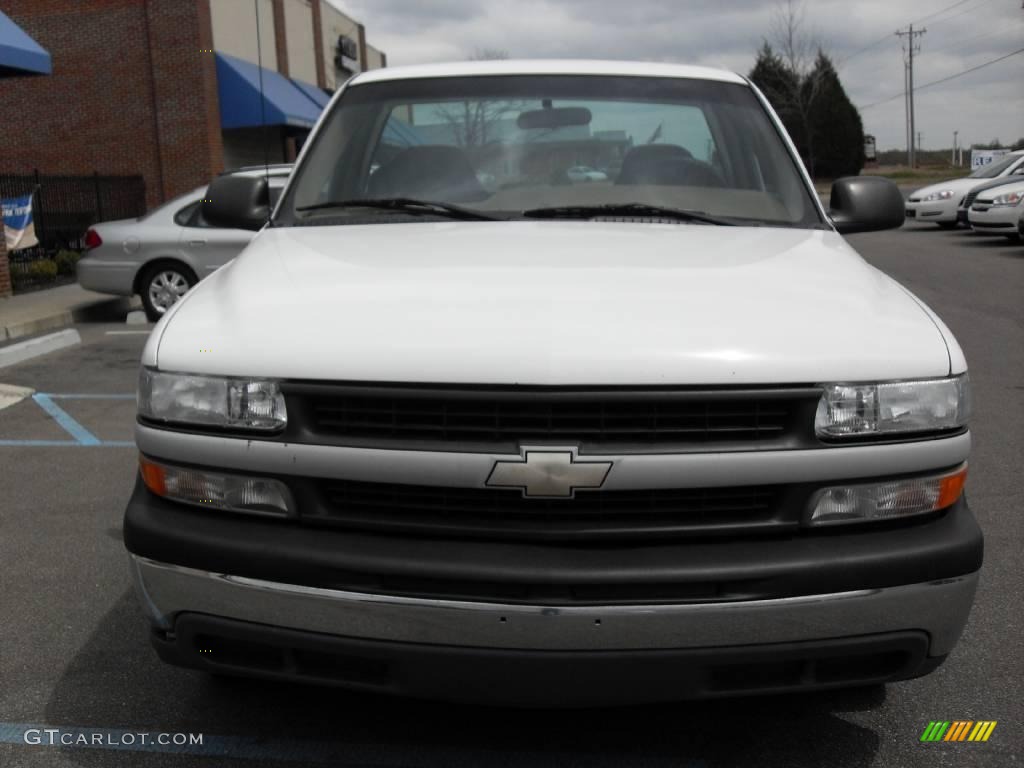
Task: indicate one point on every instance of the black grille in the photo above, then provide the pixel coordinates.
(499, 513)
(969, 199)
(590, 419)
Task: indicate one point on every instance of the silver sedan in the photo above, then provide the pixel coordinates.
(161, 255)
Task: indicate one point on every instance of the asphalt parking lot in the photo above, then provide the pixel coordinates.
(74, 652)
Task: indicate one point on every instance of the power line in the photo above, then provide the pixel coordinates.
(965, 10)
(939, 13)
(959, 44)
(882, 39)
(944, 79)
(968, 71)
(865, 49)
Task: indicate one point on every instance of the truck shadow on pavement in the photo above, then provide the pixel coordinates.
(116, 681)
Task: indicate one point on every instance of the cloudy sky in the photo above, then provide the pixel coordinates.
(858, 34)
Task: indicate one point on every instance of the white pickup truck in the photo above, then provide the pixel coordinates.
(658, 436)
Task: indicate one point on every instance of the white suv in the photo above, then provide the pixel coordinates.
(545, 443)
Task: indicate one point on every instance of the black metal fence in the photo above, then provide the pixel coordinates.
(63, 208)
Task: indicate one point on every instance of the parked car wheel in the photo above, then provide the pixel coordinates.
(948, 224)
(162, 285)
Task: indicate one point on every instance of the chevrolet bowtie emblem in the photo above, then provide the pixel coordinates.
(548, 472)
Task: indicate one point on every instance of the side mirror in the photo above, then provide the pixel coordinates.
(237, 202)
(866, 204)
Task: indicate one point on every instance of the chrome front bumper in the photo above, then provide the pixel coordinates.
(938, 608)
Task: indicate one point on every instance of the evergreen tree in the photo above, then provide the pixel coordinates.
(837, 131)
(778, 83)
(824, 125)
(786, 91)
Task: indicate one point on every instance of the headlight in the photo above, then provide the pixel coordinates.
(892, 407)
(211, 401)
(889, 500)
(943, 194)
(1010, 198)
(234, 493)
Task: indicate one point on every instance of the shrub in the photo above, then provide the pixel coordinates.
(66, 261)
(44, 270)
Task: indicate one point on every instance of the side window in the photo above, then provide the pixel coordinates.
(185, 215)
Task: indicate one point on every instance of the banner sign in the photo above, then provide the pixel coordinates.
(980, 157)
(19, 231)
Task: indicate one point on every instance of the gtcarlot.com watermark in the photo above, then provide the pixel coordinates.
(57, 737)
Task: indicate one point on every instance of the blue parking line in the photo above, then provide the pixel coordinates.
(83, 438)
(90, 396)
(66, 444)
(39, 443)
(82, 435)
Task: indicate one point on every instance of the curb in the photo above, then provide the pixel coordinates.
(26, 350)
(84, 313)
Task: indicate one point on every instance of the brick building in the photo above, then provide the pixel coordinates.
(20, 56)
(169, 89)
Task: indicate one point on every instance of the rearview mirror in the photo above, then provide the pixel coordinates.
(554, 117)
(237, 202)
(865, 204)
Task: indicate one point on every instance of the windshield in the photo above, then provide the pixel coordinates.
(505, 145)
(994, 168)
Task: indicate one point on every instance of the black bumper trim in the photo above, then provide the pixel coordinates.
(809, 562)
(540, 678)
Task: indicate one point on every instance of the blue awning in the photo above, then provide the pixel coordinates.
(19, 53)
(238, 87)
(318, 96)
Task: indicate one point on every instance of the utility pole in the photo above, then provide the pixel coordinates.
(919, 143)
(953, 160)
(906, 112)
(911, 47)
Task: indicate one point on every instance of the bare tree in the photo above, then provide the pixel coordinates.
(798, 50)
(788, 37)
(472, 122)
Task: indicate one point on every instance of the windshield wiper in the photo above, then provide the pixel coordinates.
(624, 209)
(405, 205)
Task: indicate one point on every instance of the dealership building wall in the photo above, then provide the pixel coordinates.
(135, 87)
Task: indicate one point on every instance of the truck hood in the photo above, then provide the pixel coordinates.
(554, 302)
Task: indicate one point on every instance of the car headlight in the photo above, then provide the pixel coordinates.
(892, 407)
(211, 401)
(942, 194)
(1010, 198)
